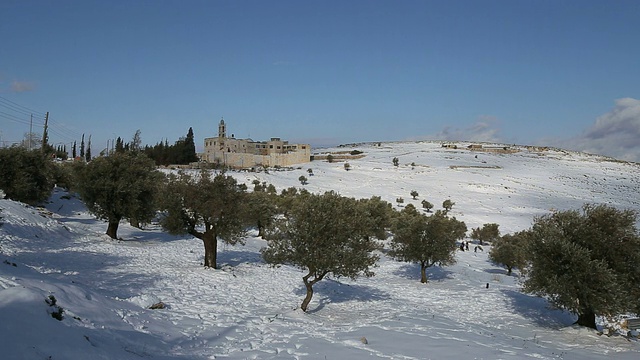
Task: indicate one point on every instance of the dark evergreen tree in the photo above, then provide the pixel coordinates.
(73, 151)
(136, 142)
(119, 146)
(88, 152)
(189, 149)
(414, 194)
(586, 262)
(82, 147)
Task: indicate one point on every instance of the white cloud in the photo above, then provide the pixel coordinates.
(485, 129)
(21, 86)
(615, 134)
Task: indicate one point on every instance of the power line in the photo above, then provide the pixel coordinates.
(17, 119)
(8, 103)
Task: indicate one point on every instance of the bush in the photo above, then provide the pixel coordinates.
(55, 310)
(355, 152)
(27, 176)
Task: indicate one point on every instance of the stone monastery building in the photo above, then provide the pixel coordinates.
(246, 153)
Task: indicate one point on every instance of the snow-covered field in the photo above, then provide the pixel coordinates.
(248, 310)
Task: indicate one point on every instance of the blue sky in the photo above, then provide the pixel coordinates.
(561, 73)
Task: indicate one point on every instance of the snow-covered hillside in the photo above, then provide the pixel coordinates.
(249, 310)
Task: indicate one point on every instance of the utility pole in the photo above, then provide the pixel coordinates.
(44, 133)
(30, 132)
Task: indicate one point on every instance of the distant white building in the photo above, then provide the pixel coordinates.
(246, 153)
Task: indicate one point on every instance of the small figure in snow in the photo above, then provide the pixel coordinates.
(462, 246)
(466, 246)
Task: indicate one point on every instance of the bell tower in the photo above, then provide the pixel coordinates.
(222, 129)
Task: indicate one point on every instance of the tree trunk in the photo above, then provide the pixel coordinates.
(260, 229)
(112, 229)
(307, 299)
(508, 270)
(423, 274)
(210, 241)
(309, 285)
(587, 318)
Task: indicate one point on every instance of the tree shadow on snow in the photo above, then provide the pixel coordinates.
(236, 257)
(95, 270)
(412, 272)
(538, 310)
(499, 271)
(332, 291)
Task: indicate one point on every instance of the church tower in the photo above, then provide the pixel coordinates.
(222, 129)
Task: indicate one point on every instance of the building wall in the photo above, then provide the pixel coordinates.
(245, 153)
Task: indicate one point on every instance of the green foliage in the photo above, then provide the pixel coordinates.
(62, 174)
(183, 151)
(303, 180)
(378, 213)
(510, 250)
(325, 234)
(447, 205)
(355, 152)
(261, 208)
(414, 194)
(26, 176)
(488, 232)
(427, 205)
(426, 240)
(120, 186)
(347, 166)
(396, 161)
(586, 262)
(330, 158)
(208, 209)
(400, 200)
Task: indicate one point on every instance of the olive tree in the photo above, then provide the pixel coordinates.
(120, 186)
(205, 208)
(510, 250)
(323, 234)
(25, 175)
(426, 240)
(586, 262)
(488, 232)
(261, 208)
(447, 205)
(427, 205)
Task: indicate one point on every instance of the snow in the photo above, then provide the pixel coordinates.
(249, 310)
